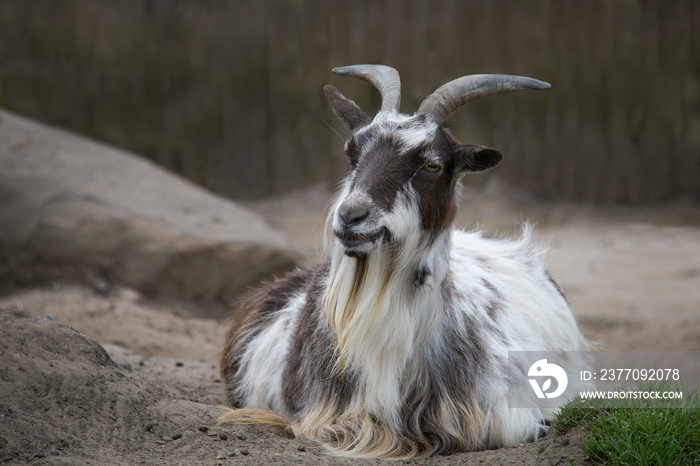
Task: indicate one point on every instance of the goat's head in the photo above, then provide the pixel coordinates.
(404, 170)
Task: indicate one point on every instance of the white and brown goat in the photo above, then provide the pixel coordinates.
(397, 345)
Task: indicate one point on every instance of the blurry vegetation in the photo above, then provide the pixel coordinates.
(228, 93)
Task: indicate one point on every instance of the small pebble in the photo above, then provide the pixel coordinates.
(179, 364)
(221, 457)
(245, 452)
(241, 437)
(565, 441)
(301, 448)
(101, 286)
(177, 436)
(223, 436)
(149, 426)
(203, 428)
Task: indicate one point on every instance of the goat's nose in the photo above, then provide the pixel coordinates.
(353, 215)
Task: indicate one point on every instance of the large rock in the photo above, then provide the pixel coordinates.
(75, 209)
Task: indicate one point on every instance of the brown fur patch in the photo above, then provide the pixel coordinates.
(250, 317)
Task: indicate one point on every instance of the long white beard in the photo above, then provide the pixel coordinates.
(381, 309)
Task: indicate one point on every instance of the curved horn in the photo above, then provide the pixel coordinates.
(384, 78)
(447, 98)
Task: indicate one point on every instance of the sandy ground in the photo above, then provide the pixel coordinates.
(632, 276)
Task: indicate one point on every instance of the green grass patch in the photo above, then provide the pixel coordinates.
(630, 435)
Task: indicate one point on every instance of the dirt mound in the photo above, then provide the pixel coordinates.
(62, 393)
(64, 400)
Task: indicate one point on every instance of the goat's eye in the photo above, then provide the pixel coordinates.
(432, 167)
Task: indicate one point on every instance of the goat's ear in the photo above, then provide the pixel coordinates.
(347, 110)
(470, 158)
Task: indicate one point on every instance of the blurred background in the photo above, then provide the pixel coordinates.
(228, 93)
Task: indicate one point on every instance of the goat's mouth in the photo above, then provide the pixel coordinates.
(359, 244)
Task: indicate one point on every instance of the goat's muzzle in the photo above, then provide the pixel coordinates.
(356, 227)
(358, 244)
(353, 241)
(352, 216)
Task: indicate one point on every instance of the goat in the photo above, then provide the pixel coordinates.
(396, 346)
